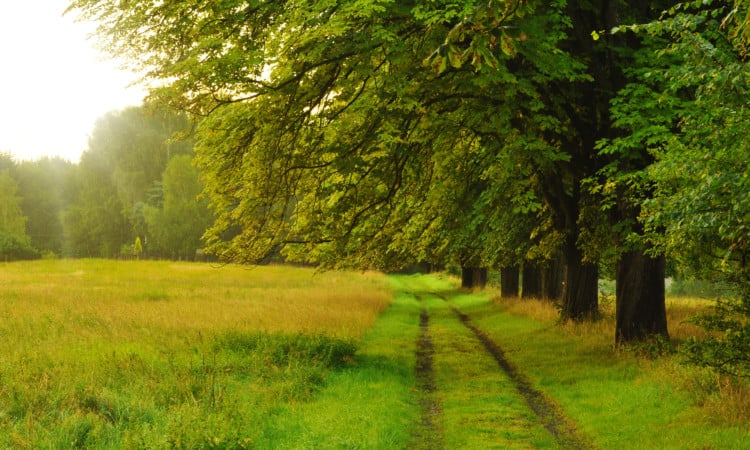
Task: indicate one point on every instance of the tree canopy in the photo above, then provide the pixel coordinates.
(100, 206)
(376, 134)
(310, 101)
(688, 107)
(14, 243)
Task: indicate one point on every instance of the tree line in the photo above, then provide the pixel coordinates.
(595, 136)
(134, 183)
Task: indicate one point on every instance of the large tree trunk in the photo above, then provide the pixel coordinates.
(509, 282)
(581, 292)
(473, 277)
(553, 277)
(641, 312)
(531, 283)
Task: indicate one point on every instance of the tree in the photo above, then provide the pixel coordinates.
(689, 108)
(128, 151)
(377, 83)
(93, 222)
(12, 220)
(659, 110)
(177, 227)
(134, 145)
(324, 133)
(557, 120)
(138, 247)
(44, 187)
(584, 105)
(14, 243)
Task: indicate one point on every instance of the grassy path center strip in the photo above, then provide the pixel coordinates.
(551, 416)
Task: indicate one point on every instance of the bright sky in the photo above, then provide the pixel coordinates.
(54, 84)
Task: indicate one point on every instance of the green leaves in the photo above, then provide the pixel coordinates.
(325, 138)
(688, 106)
(14, 243)
(455, 57)
(177, 226)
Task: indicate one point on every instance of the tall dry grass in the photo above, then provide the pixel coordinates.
(679, 311)
(113, 354)
(53, 300)
(50, 309)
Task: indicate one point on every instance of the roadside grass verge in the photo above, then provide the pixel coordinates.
(108, 354)
(371, 403)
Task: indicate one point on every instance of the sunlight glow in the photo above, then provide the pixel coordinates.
(54, 85)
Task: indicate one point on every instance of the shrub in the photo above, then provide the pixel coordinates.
(280, 349)
(15, 248)
(728, 347)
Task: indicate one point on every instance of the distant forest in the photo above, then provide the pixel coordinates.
(134, 193)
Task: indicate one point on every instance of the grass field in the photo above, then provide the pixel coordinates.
(153, 354)
(621, 398)
(108, 354)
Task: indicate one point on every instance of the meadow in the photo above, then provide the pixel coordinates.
(126, 354)
(145, 354)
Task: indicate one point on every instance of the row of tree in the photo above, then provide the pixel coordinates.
(370, 133)
(135, 182)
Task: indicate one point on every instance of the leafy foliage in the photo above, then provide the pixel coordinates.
(14, 243)
(728, 347)
(12, 220)
(45, 188)
(14, 247)
(112, 186)
(177, 226)
(329, 141)
(688, 108)
(94, 224)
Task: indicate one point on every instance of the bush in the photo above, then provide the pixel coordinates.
(318, 349)
(15, 248)
(728, 348)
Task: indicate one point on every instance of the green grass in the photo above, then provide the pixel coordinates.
(481, 406)
(107, 354)
(616, 397)
(371, 403)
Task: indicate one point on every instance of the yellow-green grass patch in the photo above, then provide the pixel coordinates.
(148, 354)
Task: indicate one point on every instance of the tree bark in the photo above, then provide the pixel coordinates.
(473, 277)
(553, 277)
(531, 283)
(581, 292)
(641, 311)
(509, 282)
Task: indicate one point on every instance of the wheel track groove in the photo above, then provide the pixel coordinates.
(550, 415)
(429, 434)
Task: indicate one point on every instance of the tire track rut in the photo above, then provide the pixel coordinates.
(550, 415)
(429, 433)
